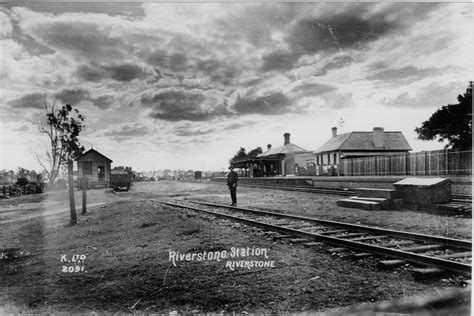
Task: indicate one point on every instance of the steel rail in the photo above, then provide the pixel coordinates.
(449, 242)
(399, 254)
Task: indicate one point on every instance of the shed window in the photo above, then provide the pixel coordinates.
(87, 167)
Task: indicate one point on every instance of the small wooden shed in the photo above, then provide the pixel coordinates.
(95, 167)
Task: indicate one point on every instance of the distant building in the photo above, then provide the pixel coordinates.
(95, 167)
(281, 160)
(357, 144)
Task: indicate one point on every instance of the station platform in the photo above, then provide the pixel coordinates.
(461, 185)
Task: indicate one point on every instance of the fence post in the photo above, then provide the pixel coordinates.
(446, 152)
(407, 163)
(427, 162)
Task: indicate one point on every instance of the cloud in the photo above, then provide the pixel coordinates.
(403, 75)
(279, 60)
(272, 104)
(310, 36)
(72, 96)
(103, 102)
(169, 61)
(189, 130)
(125, 72)
(426, 93)
(127, 129)
(82, 36)
(335, 63)
(121, 72)
(90, 73)
(33, 100)
(312, 89)
(234, 126)
(176, 105)
(129, 10)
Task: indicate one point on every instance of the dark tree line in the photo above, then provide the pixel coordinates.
(452, 122)
(242, 153)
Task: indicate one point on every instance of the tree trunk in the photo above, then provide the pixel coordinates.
(72, 202)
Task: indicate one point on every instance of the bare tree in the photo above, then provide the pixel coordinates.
(52, 160)
(62, 128)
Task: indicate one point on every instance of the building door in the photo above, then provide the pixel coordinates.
(101, 172)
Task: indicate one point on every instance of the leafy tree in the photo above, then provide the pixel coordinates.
(63, 127)
(453, 122)
(241, 153)
(255, 152)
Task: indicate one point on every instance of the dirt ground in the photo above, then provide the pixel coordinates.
(125, 241)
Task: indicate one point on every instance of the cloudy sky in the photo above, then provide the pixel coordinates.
(169, 85)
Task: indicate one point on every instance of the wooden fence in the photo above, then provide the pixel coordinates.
(437, 162)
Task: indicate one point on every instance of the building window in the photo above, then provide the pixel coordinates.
(87, 167)
(317, 160)
(335, 158)
(329, 159)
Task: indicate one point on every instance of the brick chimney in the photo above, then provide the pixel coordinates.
(334, 131)
(286, 136)
(378, 137)
(269, 146)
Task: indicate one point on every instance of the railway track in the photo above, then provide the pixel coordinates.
(401, 247)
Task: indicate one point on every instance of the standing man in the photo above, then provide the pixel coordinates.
(232, 179)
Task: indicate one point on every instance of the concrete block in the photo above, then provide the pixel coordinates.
(396, 204)
(423, 191)
(384, 203)
(364, 205)
(376, 193)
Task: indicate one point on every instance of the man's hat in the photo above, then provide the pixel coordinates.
(231, 167)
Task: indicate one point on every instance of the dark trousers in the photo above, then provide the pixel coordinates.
(233, 194)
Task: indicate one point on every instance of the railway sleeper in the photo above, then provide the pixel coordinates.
(299, 240)
(337, 249)
(369, 238)
(397, 243)
(349, 235)
(390, 264)
(331, 232)
(361, 255)
(281, 237)
(423, 248)
(420, 274)
(313, 244)
(466, 254)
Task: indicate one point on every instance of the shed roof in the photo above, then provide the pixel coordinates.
(285, 149)
(364, 141)
(92, 155)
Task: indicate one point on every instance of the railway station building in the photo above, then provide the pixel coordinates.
(357, 144)
(95, 167)
(275, 161)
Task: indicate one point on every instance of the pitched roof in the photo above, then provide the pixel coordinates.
(91, 153)
(364, 141)
(286, 149)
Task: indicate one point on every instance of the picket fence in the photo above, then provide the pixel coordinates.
(437, 162)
